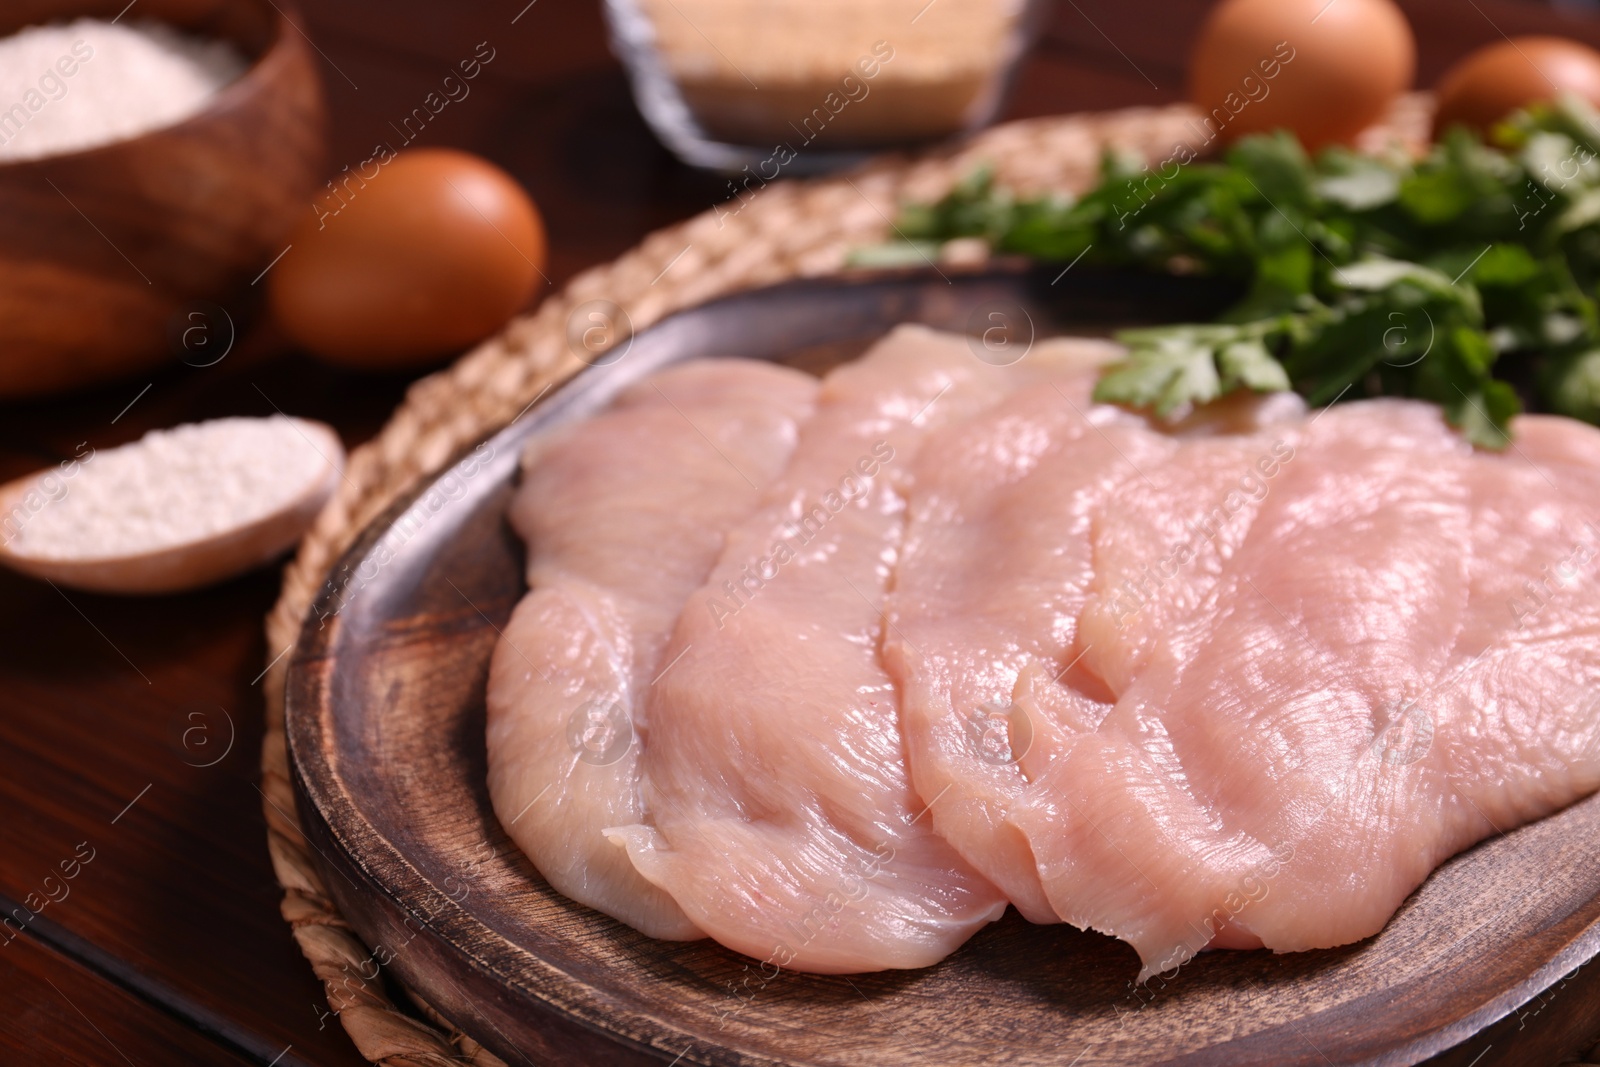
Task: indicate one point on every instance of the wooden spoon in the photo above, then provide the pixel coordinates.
(187, 565)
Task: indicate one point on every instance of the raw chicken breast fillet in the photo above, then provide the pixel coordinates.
(1285, 679)
(623, 515)
(784, 821)
(942, 635)
(1007, 511)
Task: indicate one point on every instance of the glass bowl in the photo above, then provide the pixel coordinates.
(803, 86)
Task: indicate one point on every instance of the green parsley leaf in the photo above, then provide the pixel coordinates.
(1363, 275)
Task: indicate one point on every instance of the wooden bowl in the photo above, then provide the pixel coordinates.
(103, 252)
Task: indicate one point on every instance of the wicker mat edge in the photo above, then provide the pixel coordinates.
(785, 230)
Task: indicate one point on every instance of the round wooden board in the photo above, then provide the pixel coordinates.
(385, 728)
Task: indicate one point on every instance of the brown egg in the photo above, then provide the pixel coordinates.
(1496, 80)
(1325, 69)
(411, 257)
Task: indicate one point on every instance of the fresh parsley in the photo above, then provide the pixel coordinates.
(1467, 277)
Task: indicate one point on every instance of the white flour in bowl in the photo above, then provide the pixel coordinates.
(172, 487)
(77, 85)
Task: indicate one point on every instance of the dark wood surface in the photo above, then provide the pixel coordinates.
(176, 918)
(400, 661)
(58, 1011)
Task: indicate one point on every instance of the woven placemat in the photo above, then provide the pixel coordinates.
(782, 231)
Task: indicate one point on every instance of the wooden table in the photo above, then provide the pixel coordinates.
(130, 729)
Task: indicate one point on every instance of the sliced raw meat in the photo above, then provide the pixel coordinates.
(785, 822)
(1313, 737)
(1041, 564)
(966, 636)
(623, 515)
(1161, 542)
(1525, 670)
(996, 566)
(1241, 689)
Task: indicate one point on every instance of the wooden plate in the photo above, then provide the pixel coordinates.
(385, 725)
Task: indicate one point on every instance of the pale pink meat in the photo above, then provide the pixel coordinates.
(988, 590)
(944, 635)
(1161, 542)
(1026, 587)
(785, 823)
(1256, 713)
(623, 515)
(1525, 670)
(1308, 739)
